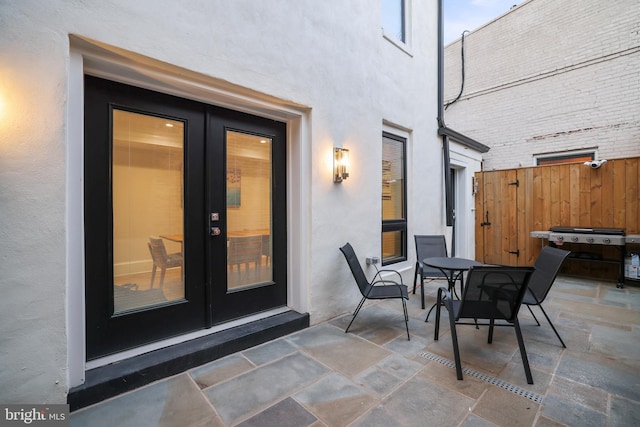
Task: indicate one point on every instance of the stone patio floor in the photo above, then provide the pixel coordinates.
(374, 376)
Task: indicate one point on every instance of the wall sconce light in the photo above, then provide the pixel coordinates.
(340, 164)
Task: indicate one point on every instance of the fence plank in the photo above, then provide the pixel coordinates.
(574, 194)
(619, 193)
(479, 217)
(632, 208)
(585, 200)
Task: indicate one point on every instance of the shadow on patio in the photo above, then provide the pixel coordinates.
(373, 376)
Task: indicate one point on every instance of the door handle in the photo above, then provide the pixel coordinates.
(486, 222)
(215, 231)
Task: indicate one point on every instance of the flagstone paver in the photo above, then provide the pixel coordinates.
(374, 376)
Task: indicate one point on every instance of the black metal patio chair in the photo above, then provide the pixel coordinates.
(377, 288)
(428, 246)
(492, 293)
(547, 265)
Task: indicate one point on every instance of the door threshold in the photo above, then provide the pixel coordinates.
(125, 375)
(128, 354)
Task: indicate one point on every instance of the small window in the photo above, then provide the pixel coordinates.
(394, 201)
(565, 158)
(393, 19)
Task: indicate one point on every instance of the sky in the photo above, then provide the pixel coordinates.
(460, 15)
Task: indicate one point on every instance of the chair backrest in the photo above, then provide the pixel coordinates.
(548, 265)
(245, 249)
(356, 268)
(158, 251)
(494, 292)
(430, 246)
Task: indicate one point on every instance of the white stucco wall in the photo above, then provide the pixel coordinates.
(326, 60)
(550, 77)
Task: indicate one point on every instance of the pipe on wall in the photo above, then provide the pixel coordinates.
(441, 124)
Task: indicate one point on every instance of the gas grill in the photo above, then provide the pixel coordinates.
(590, 236)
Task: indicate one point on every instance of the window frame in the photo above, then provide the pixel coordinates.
(396, 224)
(562, 158)
(405, 44)
(403, 23)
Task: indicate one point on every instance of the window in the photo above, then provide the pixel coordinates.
(394, 201)
(393, 19)
(565, 158)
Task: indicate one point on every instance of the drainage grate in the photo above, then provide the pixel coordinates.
(537, 398)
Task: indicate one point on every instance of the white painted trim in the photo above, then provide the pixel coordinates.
(127, 67)
(75, 314)
(466, 162)
(299, 200)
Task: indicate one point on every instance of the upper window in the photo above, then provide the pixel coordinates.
(394, 200)
(393, 19)
(565, 158)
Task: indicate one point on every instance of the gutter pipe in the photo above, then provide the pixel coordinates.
(448, 190)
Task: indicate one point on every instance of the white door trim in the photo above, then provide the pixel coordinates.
(90, 57)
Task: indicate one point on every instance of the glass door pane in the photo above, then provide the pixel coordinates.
(249, 210)
(147, 173)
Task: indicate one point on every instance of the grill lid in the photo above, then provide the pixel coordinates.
(587, 230)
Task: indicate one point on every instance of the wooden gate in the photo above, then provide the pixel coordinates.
(512, 203)
(497, 221)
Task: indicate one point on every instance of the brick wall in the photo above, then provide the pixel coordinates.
(550, 77)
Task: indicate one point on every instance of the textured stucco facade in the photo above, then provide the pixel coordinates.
(550, 78)
(325, 68)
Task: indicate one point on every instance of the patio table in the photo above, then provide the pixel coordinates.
(452, 268)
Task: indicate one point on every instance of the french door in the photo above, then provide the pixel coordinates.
(185, 216)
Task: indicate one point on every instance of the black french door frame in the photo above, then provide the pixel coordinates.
(227, 305)
(206, 301)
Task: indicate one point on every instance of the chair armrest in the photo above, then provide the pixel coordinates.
(447, 301)
(386, 280)
(445, 291)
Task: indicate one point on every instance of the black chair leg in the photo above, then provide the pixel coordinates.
(415, 279)
(552, 327)
(355, 314)
(436, 330)
(523, 352)
(491, 325)
(406, 317)
(456, 351)
(534, 316)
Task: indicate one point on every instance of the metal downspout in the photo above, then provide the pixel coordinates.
(441, 124)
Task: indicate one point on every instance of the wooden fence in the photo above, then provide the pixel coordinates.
(512, 203)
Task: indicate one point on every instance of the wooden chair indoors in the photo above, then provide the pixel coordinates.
(245, 250)
(161, 259)
(266, 248)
